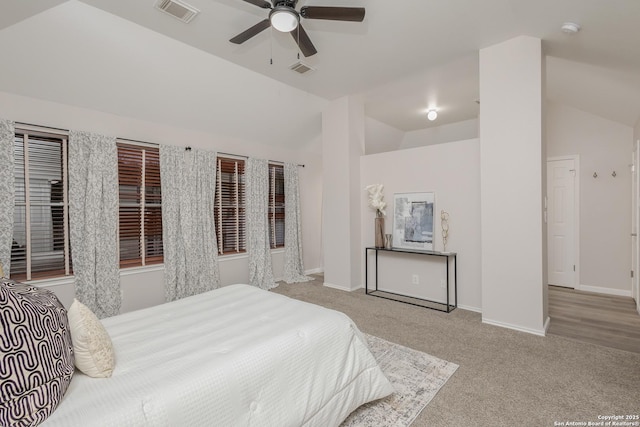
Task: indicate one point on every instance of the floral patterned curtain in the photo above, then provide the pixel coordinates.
(257, 188)
(293, 265)
(93, 221)
(7, 193)
(188, 179)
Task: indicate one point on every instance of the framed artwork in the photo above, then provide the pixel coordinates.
(413, 220)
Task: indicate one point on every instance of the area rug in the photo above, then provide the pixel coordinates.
(416, 378)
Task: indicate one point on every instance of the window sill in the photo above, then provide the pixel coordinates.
(129, 271)
(69, 280)
(231, 257)
(141, 269)
(55, 281)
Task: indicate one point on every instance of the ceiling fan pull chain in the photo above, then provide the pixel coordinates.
(271, 46)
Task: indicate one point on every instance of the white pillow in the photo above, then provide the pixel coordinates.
(91, 343)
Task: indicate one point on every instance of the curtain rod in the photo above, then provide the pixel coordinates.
(246, 157)
(136, 141)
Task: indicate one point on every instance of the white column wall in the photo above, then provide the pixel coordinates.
(356, 151)
(511, 184)
(342, 146)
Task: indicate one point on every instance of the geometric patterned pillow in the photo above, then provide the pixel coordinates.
(36, 354)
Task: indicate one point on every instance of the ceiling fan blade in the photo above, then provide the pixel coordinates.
(260, 3)
(333, 13)
(303, 40)
(247, 34)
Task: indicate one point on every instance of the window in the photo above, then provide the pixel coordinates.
(40, 247)
(276, 206)
(230, 206)
(140, 216)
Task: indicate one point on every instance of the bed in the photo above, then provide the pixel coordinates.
(236, 356)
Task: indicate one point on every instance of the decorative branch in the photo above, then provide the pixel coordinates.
(376, 198)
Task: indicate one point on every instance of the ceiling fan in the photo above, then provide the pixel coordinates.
(285, 18)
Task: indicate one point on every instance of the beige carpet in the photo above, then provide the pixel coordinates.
(506, 378)
(416, 378)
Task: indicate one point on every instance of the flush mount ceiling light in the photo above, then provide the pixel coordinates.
(570, 28)
(284, 19)
(432, 114)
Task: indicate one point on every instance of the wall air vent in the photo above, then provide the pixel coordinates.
(177, 9)
(301, 67)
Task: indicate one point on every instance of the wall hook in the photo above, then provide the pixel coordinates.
(595, 174)
(614, 174)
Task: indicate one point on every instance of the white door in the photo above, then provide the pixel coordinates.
(635, 220)
(562, 232)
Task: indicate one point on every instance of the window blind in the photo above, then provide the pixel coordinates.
(230, 206)
(140, 214)
(276, 205)
(40, 247)
(153, 208)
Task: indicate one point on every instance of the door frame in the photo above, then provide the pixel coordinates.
(576, 211)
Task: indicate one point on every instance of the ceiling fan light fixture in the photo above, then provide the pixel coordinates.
(432, 115)
(284, 19)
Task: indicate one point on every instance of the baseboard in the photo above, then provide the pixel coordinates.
(470, 308)
(539, 332)
(339, 287)
(608, 291)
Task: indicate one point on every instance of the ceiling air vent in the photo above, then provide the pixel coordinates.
(177, 9)
(301, 67)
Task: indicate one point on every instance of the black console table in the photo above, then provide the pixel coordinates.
(451, 257)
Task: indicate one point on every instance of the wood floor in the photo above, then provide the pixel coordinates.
(606, 320)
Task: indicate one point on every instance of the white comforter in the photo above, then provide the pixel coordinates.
(236, 356)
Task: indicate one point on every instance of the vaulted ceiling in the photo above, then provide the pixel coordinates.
(125, 57)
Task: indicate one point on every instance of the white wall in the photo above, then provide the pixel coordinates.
(143, 288)
(511, 184)
(452, 171)
(380, 137)
(171, 82)
(467, 129)
(605, 202)
(356, 149)
(342, 146)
